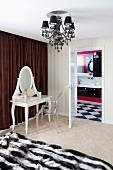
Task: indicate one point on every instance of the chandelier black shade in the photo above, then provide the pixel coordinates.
(45, 25)
(57, 33)
(53, 20)
(68, 21)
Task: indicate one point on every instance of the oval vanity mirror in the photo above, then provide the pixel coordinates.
(25, 85)
(25, 78)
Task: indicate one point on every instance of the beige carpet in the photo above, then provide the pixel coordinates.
(89, 137)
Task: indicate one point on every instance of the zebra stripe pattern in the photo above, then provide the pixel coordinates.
(20, 153)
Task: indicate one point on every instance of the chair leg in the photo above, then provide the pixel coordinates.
(56, 121)
(37, 116)
(57, 116)
(37, 120)
(42, 118)
(49, 118)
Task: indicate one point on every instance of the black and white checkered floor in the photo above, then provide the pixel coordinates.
(89, 111)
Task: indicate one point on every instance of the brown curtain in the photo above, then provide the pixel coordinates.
(16, 52)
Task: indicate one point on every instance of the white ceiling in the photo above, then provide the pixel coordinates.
(92, 18)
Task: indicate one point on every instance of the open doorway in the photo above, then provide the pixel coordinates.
(90, 84)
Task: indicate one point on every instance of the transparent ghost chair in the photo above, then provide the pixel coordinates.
(49, 109)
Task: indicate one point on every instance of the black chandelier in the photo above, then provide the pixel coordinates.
(57, 33)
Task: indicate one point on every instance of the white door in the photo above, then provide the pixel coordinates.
(72, 87)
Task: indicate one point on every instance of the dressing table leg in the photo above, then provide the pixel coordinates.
(26, 119)
(49, 108)
(13, 116)
(37, 108)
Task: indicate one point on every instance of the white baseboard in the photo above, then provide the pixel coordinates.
(108, 122)
(63, 114)
(3, 132)
(23, 122)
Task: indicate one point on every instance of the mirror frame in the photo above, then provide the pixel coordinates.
(30, 72)
(89, 66)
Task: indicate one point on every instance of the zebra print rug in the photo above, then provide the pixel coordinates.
(19, 153)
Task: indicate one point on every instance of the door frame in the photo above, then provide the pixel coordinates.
(103, 61)
(72, 87)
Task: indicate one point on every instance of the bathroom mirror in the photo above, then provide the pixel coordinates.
(90, 65)
(25, 77)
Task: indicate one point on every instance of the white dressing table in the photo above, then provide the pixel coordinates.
(26, 104)
(26, 81)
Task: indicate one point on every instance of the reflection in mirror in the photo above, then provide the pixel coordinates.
(25, 78)
(84, 63)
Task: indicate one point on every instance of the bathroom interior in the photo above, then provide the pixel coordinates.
(89, 87)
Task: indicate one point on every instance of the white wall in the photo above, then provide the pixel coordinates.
(58, 72)
(58, 76)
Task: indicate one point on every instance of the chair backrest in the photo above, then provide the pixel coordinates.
(58, 96)
(56, 100)
(52, 108)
